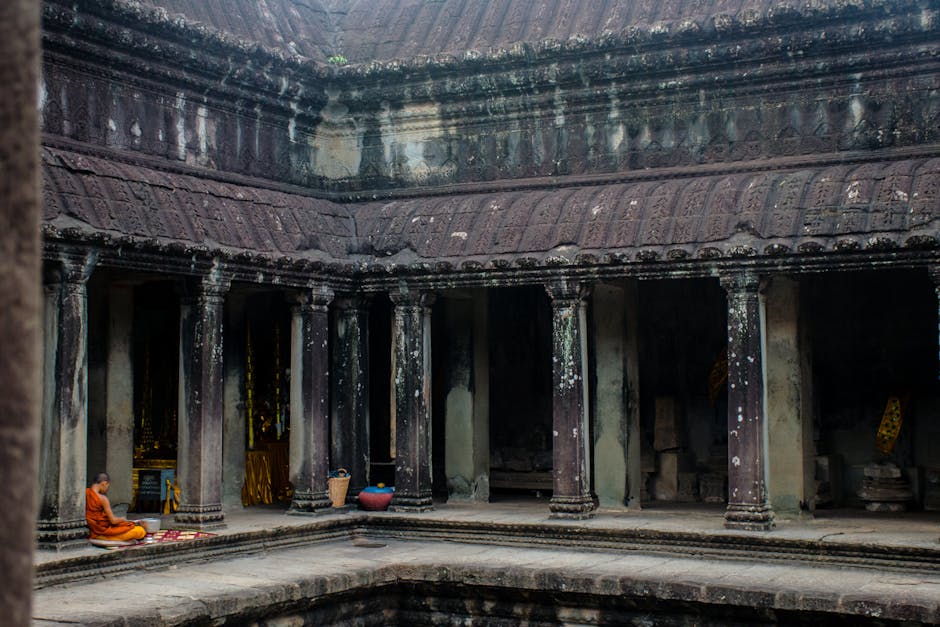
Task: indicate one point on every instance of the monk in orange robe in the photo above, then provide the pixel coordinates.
(102, 522)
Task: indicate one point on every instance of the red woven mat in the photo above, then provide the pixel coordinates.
(175, 535)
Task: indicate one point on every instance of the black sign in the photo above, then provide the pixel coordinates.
(149, 485)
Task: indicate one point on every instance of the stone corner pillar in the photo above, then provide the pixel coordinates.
(349, 385)
(934, 272)
(571, 460)
(411, 391)
(200, 401)
(63, 432)
(748, 504)
(309, 397)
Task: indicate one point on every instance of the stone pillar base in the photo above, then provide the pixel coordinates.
(749, 517)
(309, 503)
(412, 504)
(61, 535)
(202, 518)
(572, 507)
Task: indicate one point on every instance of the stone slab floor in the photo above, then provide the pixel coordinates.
(224, 588)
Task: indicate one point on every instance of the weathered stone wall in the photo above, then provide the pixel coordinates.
(871, 81)
(541, 126)
(180, 121)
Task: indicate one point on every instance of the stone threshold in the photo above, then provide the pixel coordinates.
(712, 545)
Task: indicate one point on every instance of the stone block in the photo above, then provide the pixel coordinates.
(666, 481)
(688, 487)
(712, 487)
(828, 480)
(647, 459)
(666, 484)
(932, 489)
(885, 470)
(668, 432)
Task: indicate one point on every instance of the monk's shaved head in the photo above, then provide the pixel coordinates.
(102, 476)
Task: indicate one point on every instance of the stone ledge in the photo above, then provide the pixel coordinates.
(727, 545)
(428, 585)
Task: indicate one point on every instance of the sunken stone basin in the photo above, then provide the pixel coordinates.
(437, 604)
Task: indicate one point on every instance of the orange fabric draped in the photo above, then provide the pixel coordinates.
(97, 520)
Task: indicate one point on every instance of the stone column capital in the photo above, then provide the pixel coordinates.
(741, 281)
(563, 291)
(405, 296)
(72, 270)
(210, 287)
(349, 302)
(317, 298)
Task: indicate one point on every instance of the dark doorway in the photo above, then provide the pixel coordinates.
(155, 350)
(266, 384)
(520, 391)
(683, 406)
(382, 466)
(874, 337)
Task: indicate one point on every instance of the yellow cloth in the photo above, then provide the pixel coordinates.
(258, 479)
(134, 533)
(890, 426)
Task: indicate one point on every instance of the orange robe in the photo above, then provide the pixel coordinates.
(101, 528)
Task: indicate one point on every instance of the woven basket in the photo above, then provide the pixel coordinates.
(338, 487)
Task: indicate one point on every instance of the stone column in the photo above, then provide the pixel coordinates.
(791, 463)
(617, 477)
(935, 276)
(349, 398)
(233, 401)
(63, 434)
(119, 410)
(571, 459)
(748, 505)
(309, 398)
(200, 402)
(411, 391)
(466, 414)
(20, 303)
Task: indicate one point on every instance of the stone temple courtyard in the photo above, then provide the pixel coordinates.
(672, 265)
(507, 563)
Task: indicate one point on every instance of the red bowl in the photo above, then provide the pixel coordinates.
(375, 501)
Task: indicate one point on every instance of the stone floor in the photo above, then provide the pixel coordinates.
(228, 587)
